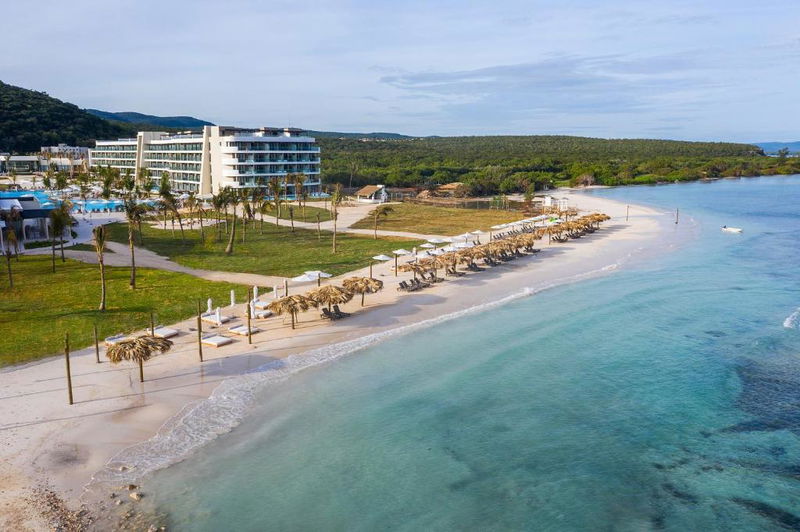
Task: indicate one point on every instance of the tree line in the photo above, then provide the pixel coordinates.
(507, 164)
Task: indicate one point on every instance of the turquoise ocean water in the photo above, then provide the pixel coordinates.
(663, 396)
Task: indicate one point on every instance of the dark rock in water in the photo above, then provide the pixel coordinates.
(777, 450)
(658, 522)
(716, 334)
(771, 394)
(776, 515)
(705, 434)
(678, 494)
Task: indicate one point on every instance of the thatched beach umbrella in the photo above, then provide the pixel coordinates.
(362, 285)
(330, 295)
(138, 350)
(291, 305)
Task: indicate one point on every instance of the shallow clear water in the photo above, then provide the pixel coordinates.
(664, 396)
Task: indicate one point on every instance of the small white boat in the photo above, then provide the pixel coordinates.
(731, 229)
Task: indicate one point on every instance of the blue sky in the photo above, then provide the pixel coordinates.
(716, 70)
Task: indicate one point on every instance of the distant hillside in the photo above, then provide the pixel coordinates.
(506, 150)
(340, 135)
(152, 120)
(31, 119)
(773, 147)
(505, 164)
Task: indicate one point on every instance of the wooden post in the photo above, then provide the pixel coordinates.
(677, 215)
(395, 265)
(69, 373)
(141, 370)
(199, 330)
(152, 324)
(96, 345)
(249, 316)
(285, 287)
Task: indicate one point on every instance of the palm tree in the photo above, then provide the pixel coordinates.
(381, 211)
(298, 180)
(11, 242)
(59, 221)
(134, 213)
(100, 247)
(233, 200)
(247, 213)
(275, 190)
(336, 198)
(217, 202)
(138, 350)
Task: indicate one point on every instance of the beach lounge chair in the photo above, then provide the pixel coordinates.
(328, 315)
(117, 338)
(261, 304)
(164, 332)
(241, 330)
(338, 312)
(419, 284)
(212, 318)
(405, 286)
(262, 314)
(216, 340)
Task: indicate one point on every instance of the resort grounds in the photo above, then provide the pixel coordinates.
(50, 443)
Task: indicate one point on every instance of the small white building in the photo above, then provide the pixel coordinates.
(64, 150)
(561, 204)
(372, 194)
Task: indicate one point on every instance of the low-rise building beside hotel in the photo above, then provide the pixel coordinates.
(67, 151)
(216, 158)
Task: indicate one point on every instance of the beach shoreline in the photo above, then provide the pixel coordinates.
(52, 444)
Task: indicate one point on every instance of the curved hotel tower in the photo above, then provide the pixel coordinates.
(218, 157)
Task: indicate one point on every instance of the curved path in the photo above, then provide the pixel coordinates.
(120, 254)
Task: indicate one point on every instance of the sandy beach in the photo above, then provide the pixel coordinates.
(44, 442)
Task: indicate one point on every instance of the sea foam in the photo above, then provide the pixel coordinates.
(202, 421)
(792, 321)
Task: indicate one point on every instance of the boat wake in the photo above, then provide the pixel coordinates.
(792, 321)
(202, 421)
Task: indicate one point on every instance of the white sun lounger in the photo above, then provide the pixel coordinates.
(114, 340)
(262, 314)
(212, 318)
(241, 330)
(261, 304)
(216, 340)
(165, 332)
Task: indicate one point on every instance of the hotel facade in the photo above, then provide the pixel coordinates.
(216, 158)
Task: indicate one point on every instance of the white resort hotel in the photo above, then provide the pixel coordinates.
(218, 157)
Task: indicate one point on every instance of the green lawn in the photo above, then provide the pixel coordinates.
(43, 305)
(276, 252)
(431, 220)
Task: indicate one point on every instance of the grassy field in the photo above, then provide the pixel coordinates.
(276, 252)
(43, 305)
(430, 220)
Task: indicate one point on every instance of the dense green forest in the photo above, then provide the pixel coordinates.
(31, 119)
(504, 164)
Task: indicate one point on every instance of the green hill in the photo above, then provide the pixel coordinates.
(31, 119)
(187, 122)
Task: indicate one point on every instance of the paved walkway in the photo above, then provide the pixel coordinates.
(120, 253)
